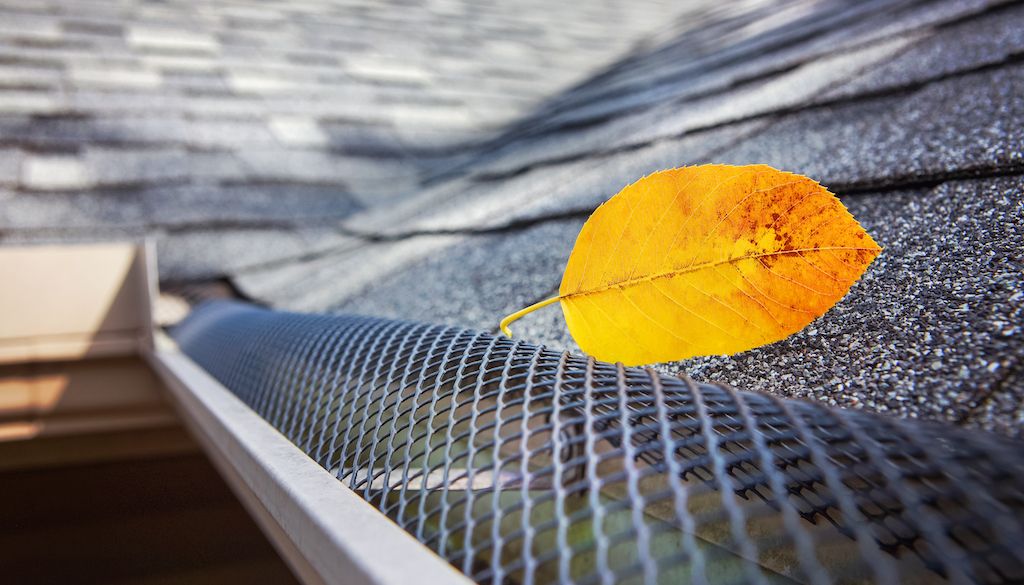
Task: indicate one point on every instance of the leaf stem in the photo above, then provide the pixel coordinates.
(505, 322)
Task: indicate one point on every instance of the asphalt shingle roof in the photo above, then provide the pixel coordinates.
(435, 162)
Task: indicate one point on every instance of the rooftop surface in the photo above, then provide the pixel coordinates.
(435, 161)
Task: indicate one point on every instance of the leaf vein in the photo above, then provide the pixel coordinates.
(750, 296)
(689, 310)
(664, 213)
(769, 297)
(720, 301)
(816, 267)
(678, 272)
(618, 327)
(734, 207)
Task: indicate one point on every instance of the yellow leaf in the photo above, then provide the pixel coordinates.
(706, 260)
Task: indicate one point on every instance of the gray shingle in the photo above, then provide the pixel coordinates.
(27, 77)
(171, 38)
(902, 62)
(474, 282)
(130, 167)
(69, 133)
(1003, 410)
(957, 126)
(372, 180)
(727, 47)
(30, 102)
(10, 166)
(801, 72)
(68, 215)
(36, 28)
(232, 134)
(55, 173)
(188, 206)
(204, 254)
(211, 204)
(319, 282)
(986, 40)
(365, 139)
(81, 76)
(578, 185)
(92, 26)
(301, 131)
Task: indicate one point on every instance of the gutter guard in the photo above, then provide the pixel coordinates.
(517, 464)
(326, 533)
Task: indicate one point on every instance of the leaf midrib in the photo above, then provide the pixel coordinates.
(630, 282)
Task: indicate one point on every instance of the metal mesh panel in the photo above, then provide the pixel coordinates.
(518, 464)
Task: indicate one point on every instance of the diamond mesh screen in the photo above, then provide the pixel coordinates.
(518, 464)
